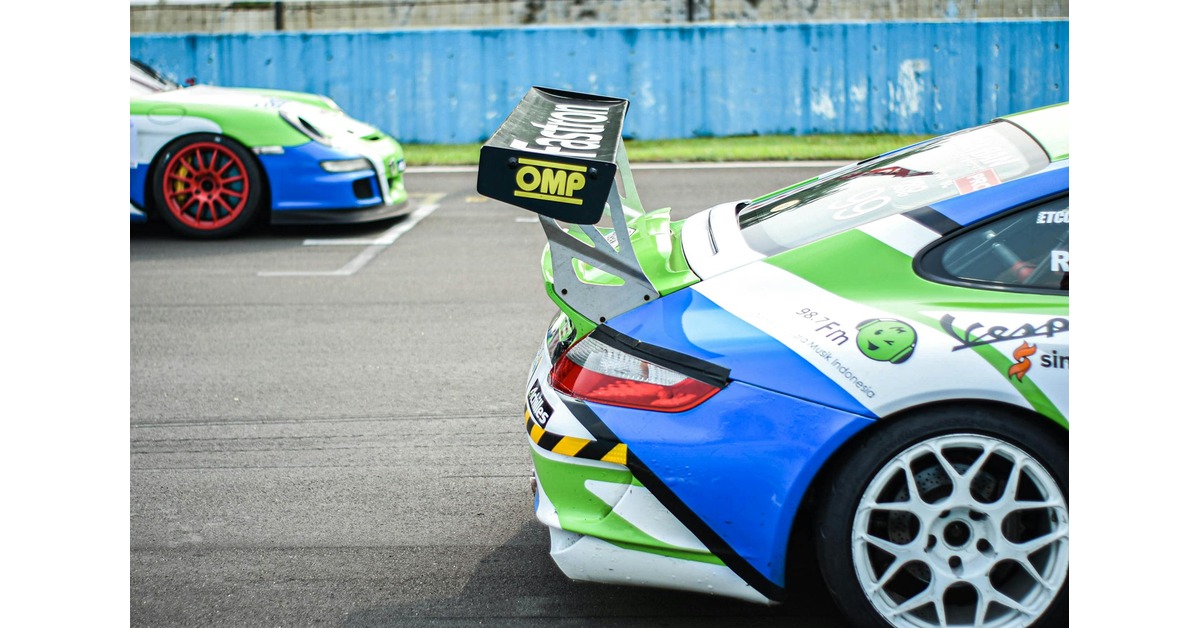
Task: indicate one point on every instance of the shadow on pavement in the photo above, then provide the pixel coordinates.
(518, 584)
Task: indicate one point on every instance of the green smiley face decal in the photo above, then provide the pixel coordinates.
(886, 339)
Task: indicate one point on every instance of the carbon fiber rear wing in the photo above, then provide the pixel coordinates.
(560, 154)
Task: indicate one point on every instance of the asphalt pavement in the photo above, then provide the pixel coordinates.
(326, 423)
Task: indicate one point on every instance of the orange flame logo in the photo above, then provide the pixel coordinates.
(1021, 355)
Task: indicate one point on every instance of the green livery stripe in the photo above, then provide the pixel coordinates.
(882, 277)
(1027, 388)
(659, 250)
(582, 512)
(252, 127)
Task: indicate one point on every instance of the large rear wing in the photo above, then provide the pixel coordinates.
(560, 154)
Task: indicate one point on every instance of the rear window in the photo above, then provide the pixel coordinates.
(911, 178)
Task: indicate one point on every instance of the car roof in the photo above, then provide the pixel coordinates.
(1049, 126)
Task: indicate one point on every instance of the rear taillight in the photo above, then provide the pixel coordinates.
(596, 371)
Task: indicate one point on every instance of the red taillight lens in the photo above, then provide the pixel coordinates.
(595, 371)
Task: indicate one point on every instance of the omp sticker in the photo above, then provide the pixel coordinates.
(549, 181)
(823, 329)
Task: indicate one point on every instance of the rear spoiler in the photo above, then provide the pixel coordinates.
(560, 154)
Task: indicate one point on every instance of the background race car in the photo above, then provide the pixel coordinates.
(862, 376)
(210, 161)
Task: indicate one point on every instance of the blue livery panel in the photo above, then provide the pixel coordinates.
(969, 208)
(741, 465)
(298, 182)
(688, 322)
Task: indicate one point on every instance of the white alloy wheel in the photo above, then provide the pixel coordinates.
(961, 530)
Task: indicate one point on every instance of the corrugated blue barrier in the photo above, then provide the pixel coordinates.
(456, 85)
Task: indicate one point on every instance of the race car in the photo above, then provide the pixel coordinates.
(210, 161)
(857, 382)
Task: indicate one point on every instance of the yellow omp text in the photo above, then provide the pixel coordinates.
(549, 181)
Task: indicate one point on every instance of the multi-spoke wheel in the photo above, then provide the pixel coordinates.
(206, 186)
(950, 518)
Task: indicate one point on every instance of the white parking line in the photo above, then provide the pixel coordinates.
(373, 246)
(691, 165)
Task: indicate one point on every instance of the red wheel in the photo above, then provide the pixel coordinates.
(207, 186)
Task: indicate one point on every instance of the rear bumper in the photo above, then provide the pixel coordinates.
(605, 525)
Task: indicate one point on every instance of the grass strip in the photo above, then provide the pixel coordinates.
(709, 149)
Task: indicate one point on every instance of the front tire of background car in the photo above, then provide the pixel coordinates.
(948, 517)
(206, 186)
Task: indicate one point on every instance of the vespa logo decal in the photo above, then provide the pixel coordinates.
(549, 181)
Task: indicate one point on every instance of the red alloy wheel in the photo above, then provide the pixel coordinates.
(206, 186)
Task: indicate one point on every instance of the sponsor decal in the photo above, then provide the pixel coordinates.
(571, 131)
(825, 326)
(1060, 261)
(825, 329)
(977, 181)
(1021, 355)
(1060, 217)
(539, 409)
(1053, 360)
(889, 171)
(549, 181)
(978, 334)
(886, 340)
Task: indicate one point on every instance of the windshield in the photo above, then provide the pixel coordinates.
(914, 177)
(144, 79)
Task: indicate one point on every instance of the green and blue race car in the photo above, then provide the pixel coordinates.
(860, 380)
(210, 161)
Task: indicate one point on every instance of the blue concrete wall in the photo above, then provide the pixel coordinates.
(456, 85)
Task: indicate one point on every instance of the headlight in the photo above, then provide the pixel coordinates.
(346, 165)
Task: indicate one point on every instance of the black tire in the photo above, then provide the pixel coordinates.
(206, 186)
(960, 541)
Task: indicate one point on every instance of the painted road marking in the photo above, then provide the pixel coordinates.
(691, 165)
(373, 246)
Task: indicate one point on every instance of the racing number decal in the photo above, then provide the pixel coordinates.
(549, 181)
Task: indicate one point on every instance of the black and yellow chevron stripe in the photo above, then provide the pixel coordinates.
(607, 451)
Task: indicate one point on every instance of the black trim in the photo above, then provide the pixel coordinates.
(676, 507)
(589, 420)
(934, 272)
(696, 525)
(695, 368)
(340, 216)
(932, 219)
